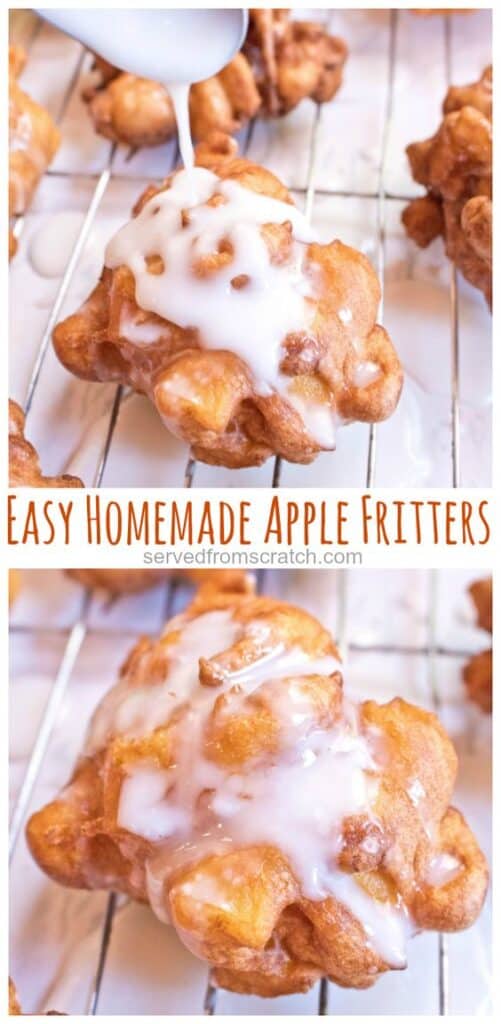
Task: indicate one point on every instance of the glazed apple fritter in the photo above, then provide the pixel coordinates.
(332, 363)
(284, 832)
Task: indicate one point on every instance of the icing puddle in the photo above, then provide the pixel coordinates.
(417, 317)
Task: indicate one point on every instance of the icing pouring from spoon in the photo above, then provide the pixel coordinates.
(172, 47)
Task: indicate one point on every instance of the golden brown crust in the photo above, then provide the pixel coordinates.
(478, 672)
(17, 60)
(209, 398)
(33, 141)
(24, 464)
(245, 910)
(424, 220)
(14, 1007)
(138, 112)
(292, 60)
(132, 581)
(132, 110)
(281, 63)
(455, 165)
(12, 244)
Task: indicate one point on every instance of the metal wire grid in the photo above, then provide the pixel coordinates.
(76, 636)
(381, 196)
(81, 628)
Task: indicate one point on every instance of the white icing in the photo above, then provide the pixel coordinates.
(279, 665)
(443, 868)
(387, 927)
(136, 711)
(289, 802)
(251, 321)
(415, 792)
(179, 94)
(146, 333)
(366, 372)
(52, 244)
(295, 799)
(144, 810)
(296, 802)
(320, 420)
(417, 797)
(345, 315)
(21, 132)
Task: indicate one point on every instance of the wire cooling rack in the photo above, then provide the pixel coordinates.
(427, 647)
(381, 195)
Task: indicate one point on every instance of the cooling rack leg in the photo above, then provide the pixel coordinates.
(341, 634)
(443, 963)
(103, 953)
(453, 308)
(210, 998)
(381, 213)
(443, 976)
(455, 438)
(72, 650)
(323, 997)
(115, 409)
(277, 472)
(189, 472)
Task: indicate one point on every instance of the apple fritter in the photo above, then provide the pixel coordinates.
(250, 337)
(286, 833)
(24, 464)
(455, 166)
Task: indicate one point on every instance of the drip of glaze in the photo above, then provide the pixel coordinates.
(319, 419)
(179, 94)
(174, 48)
(443, 868)
(387, 927)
